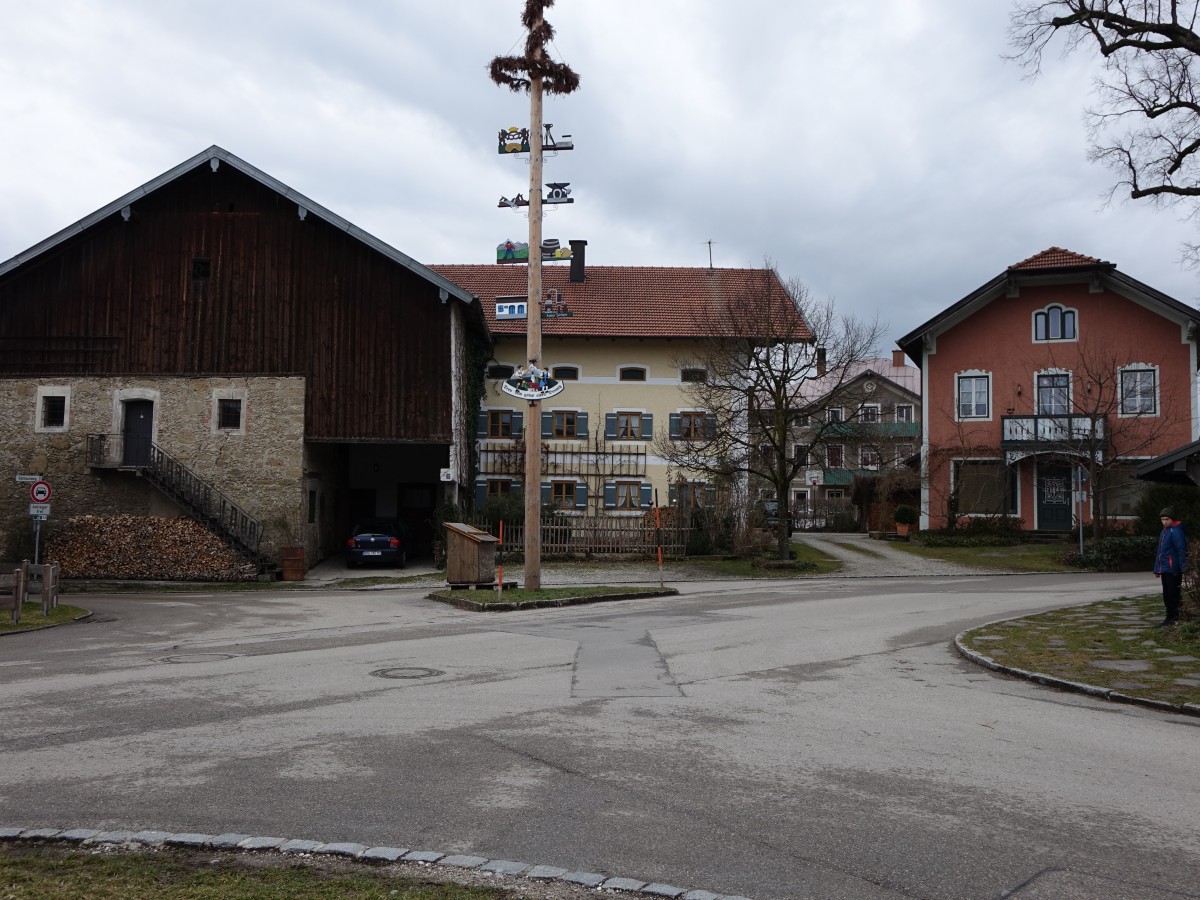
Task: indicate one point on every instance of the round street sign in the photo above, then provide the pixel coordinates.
(39, 491)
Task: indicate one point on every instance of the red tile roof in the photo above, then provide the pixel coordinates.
(1058, 258)
(616, 301)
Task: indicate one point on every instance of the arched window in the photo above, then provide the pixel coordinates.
(1054, 323)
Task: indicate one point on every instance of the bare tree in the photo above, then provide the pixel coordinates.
(761, 351)
(1146, 123)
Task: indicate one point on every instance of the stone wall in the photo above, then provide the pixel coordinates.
(259, 466)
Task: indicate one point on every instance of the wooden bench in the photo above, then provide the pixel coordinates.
(47, 573)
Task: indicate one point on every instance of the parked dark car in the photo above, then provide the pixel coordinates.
(770, 514)
(382, 541)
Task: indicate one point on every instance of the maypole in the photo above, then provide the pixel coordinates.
(536, 73)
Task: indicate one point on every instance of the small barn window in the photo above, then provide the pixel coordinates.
(633, 373)
(501, 372)
(565, 373)
(54, 411)
(693, 376)
(229, 414)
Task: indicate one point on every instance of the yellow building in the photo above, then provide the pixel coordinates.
(624, 341)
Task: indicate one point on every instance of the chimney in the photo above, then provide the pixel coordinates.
(898, 359)
(578, 266)
(820, 361)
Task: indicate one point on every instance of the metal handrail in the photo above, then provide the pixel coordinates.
(200, 498)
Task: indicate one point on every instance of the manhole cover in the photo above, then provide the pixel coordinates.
(407, 672)
(197, 657)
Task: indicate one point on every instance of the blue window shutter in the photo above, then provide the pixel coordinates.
(610, 496)
(518, 420)
(547, 424)
(710, 425)
(581, 425)
(480, 494)
(546, 495)
(647, 496)
(647, 426)
(581, 496)
(610, 426)
(481, 423)
(673, 425)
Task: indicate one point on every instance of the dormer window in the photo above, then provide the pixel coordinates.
(1054, 323)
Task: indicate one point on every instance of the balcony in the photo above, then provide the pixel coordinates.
(1071, 434)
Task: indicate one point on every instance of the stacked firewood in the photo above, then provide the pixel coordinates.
(144, 547)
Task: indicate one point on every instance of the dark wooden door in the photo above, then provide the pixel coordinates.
(139, 431)
(1054, 497)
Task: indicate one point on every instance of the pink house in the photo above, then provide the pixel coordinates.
(1045, 388)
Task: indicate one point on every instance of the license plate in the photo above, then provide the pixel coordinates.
(372, 553)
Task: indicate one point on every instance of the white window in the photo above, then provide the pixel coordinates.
(53, 412)
(835, 456)
(1053, 394)
(974, 396)
(800, 454)
(228, 411)
(869, 413)
(868, 457)
(904, 412)
(833, 414)
(1139, 391)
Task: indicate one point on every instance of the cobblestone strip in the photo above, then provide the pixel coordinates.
(1077, 687)
(263, 844)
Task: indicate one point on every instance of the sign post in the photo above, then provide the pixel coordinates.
(39, 511)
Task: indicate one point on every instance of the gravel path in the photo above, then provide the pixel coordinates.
(863, 557)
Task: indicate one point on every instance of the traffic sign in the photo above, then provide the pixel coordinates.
(40, 510)
(28, 479)
(39, 491)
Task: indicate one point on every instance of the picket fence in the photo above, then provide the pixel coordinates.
(594, 536)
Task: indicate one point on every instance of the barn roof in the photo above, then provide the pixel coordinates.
(216, 156)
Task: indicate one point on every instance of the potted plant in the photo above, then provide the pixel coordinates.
(905, 517)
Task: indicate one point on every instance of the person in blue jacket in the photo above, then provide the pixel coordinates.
(1170, 563)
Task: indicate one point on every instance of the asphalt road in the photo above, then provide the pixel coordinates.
(765, 739)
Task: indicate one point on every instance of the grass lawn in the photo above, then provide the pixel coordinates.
(45, 871)
(1017, 558)
(821, 564)
(1067, 643)
(31, 616)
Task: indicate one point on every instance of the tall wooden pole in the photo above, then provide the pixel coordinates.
(533, 348)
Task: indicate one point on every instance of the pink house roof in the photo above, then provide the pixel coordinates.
(1058, 258)
(1056, 264)
(619, 301)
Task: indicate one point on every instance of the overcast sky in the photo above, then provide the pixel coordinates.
(882, 152)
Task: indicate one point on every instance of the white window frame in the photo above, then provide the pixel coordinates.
(841, 450)
(835, 415)
(52, 390)
(958, 380)
(1139, 367)
(863, 452)
(874, 409)
(905, 406)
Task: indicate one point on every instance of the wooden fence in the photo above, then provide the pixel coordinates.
(594, 536)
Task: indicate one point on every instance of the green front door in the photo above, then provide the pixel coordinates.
(1053, 497)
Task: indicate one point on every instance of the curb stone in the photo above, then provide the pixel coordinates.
(291, 846)
(1063, 684)
(475, 606)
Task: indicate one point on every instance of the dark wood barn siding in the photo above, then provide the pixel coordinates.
(282, 296)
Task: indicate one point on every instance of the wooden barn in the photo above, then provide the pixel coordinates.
(216, 344)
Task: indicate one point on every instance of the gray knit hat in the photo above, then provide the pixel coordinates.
(1169, 512)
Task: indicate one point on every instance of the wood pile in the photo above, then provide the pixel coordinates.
(144, 547)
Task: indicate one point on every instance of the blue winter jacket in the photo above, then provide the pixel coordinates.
(1172, 551)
